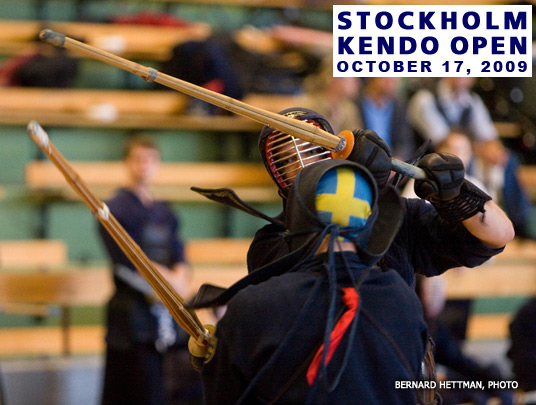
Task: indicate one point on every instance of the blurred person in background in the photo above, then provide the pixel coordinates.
(522, 351)
(449, 355)
(333, 97)
(382, 109)
(453, 104)
(147, 360)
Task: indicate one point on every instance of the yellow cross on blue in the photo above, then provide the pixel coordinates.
(343, 197)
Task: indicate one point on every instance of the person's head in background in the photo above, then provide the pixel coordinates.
(459, 144)
(333, 88)
(382, 89)
(142, 160)
(333, 97)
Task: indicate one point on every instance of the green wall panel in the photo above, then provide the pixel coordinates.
(80, 315)
(185, 145)
(18, 10)
(490, 305)
(74, 223)
(59, 10)
(88, 143)
(104, 10)
(200, 220)
(93, 74)
(19, 219)
(16, 149)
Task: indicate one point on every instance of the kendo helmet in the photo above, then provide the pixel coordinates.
(333, 199)
(285, 155)
(344, 194)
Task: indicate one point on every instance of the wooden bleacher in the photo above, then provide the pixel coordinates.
(70, 101)
(24, 255)
(40, 253)
(222, 262)
(130, 41)
(510, 274)
(82, 285)
(172, 182)
(217, 261)
(123, 109)
(137, 109)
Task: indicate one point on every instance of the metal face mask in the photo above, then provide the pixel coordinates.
(286, 155)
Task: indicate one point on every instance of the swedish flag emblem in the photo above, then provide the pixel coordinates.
(343, 197)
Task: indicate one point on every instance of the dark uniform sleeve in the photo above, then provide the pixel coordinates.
(522, 351)
(436, 247)
(268, 245)
(178, 254)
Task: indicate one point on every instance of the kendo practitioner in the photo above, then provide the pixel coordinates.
(461, 227)
(272, 340)
(143, 342)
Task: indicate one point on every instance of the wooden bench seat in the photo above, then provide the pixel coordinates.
(217, 261)
(88, 101)
(41, 253)
(510, 273)
(222, 262)
(218, 251)
(492, 280)
(127, 40)
(136, 109)
(518, 250)
(89, 339)
(172, 183)
(174, 179)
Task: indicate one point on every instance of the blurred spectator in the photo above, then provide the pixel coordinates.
(455, 313)
(333, 97)
(41, 65)
(522, 350)
(207, 64)
(459, 144)
(452, 104)
(151, 17)
(449, 354)
(147, 359)
(275, 64)
(384, 111)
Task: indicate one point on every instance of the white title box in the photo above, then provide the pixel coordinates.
(432, 41)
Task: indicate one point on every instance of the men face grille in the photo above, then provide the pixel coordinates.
(287, 155)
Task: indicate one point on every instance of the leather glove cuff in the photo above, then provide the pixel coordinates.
(470, 201)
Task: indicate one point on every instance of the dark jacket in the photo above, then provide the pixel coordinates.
(522, 351)
(277, 326)
(154, 229)
(402, 138)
